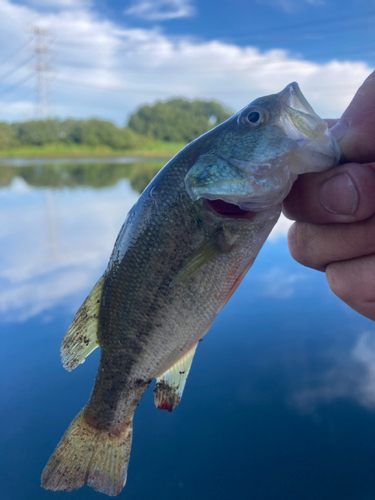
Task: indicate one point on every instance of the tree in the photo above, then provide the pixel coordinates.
(93, 132)
(178, 120)
(96, 132)
(7, 136)
(37, 132)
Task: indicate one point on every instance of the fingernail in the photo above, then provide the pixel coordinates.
(339, 195)
(339, 130)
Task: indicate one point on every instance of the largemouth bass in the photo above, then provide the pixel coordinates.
(181, 253)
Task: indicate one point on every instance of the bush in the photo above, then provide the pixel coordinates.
(7, 136)
(178, 120)
(37, 132)
(95, 132)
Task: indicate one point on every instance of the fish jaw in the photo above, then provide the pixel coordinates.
(318, 150)
(254, 165)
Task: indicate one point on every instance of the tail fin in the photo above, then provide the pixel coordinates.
(86, 455)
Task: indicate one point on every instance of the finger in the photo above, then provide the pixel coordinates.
(353, 282)
(355, 130)
(317, 245)
(331, 121)
(343, 194)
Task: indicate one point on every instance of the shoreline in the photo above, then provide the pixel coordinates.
(158, 150)
(133, 155)
(15, 161)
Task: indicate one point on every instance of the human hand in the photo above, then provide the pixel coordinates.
(335, 210)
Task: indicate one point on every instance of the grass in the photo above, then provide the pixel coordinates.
(154, 149)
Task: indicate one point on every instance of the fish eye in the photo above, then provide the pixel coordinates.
(253, 117)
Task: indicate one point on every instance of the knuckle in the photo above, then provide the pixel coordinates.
(346, 240)
(294, 241)
(301, 237)
(338, 281)
(352, 281)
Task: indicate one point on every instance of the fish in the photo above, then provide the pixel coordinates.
(183, 250)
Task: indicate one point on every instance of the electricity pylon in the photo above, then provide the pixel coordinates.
(42, 40)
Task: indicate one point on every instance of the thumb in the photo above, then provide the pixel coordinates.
(355, 131)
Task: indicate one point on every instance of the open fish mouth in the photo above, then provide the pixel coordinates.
(256, 159)
(229, 210)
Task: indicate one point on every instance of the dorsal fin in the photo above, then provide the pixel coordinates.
(81, 338)
(170, 386)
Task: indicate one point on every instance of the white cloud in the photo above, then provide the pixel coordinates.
(104, 70)
(161, 10)
(59, 4)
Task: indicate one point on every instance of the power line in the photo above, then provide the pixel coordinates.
(328, 21)
(320, 35)
(18, 84)
(10, 104)
(103, 89)
(16, 68)
(15, 52)
(269, 34)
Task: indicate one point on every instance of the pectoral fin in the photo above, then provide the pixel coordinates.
(170, 386)
(210, 248)
(81, 338)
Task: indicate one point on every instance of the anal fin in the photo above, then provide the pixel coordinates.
(170, 385)
(81, 338)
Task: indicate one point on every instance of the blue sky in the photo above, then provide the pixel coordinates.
(316, 29)
(107, 58)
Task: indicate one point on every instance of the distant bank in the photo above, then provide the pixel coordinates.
(154, 149)
(158, 130)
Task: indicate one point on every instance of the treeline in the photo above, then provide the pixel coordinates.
(91, 132)
(176, 120)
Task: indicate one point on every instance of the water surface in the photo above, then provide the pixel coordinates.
(280, 401)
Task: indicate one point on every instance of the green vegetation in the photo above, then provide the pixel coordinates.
(178, 120)
(158, 130)
(149, 149)
(8, 137)
(92, 133)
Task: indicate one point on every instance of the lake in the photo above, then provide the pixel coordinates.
(280, 400)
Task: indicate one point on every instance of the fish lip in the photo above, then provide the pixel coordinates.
(294, 105)
(292, 96)
(294, 109)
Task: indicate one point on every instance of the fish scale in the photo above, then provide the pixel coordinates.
(180, 255)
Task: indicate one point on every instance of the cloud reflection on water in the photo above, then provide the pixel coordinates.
(72, 235)
(350, 374)
(57, 232)
(279, 283)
